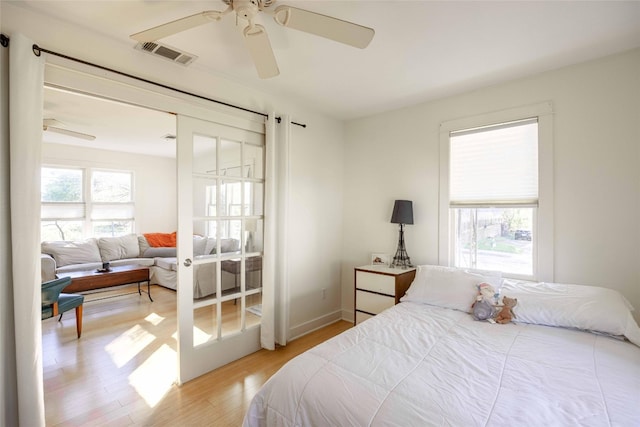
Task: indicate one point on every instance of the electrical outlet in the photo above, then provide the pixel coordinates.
(324, 293)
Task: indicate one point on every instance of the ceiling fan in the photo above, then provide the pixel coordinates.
(52, 125)
(255, 35)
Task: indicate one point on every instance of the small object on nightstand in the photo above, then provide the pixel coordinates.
(378, 288)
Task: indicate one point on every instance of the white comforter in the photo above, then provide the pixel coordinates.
(420, 365)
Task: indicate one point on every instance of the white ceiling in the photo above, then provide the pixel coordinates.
(116, 126)
(422, 50)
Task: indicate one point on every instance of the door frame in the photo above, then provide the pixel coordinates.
(82, 79)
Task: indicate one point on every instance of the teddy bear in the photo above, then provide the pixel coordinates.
(483, 307)
(506, 314)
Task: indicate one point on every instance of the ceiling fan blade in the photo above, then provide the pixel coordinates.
(259, 47)
(177, 26)
(324, 26)
(50, 122)
(69, 133)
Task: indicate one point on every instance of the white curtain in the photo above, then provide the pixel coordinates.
(275, 318)
(267, 323)
(8, 381)
(26, 79)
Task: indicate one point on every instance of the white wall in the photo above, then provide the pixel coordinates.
(315, 157)
(155, 181)
(315, 226)
(597, 178)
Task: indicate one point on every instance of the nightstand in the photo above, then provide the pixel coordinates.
(378, 288)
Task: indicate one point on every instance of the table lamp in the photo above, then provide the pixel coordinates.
(402, 214)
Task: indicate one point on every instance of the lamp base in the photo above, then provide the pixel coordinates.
(401, 258)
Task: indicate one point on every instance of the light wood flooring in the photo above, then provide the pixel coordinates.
(122, 371)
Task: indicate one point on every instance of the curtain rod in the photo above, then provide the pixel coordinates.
(37, 51)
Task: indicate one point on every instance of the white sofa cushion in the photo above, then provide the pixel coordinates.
(166, 263)
(113, 248)
(66, 253)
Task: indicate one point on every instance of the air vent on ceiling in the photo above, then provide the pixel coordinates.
(167, 52)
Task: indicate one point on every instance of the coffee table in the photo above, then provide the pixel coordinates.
(116, 276)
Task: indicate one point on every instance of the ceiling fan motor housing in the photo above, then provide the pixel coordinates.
(246, 9)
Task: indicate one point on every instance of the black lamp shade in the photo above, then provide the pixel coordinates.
(402, 212)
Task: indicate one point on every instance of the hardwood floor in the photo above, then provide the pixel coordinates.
(122, 371)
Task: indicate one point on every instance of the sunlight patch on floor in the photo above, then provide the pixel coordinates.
(126, 346)
(199, 336)
(154, 319)
(155, 377)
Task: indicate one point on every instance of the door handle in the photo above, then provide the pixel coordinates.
(187, 262)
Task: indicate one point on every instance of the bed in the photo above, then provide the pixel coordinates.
(571, 358)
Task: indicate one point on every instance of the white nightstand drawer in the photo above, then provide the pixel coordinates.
(361, 317)
(373, 303)
(373, 282)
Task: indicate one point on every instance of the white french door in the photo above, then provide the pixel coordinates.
(221, 190)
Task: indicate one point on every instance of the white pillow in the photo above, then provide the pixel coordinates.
(67, 253)
(445, 287)
(113, 248)
(590, 308)
(199, 245)
(494, 278)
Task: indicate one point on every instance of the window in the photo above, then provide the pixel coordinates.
(496, 194)
(79, 203)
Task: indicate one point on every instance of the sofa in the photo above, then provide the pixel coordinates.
(67, 256)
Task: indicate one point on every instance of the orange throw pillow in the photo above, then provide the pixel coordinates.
(161, 240)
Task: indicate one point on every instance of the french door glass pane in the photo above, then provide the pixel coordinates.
(230, 236)
(254, 235)
(205, 324)
(230, 198)
(253, 272)
(253, 198)
(253, 161)
(230, 158)
(204, 196)
(494, 239)
(204, 155)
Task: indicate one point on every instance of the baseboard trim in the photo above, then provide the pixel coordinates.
(314, 324)
(348, 315)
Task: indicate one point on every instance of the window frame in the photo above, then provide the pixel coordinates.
(87, 199)
(543, 268)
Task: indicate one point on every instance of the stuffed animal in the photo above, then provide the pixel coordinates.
(483, 307)
(506, 314)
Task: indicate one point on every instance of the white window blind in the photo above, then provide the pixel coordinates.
(495, 165)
